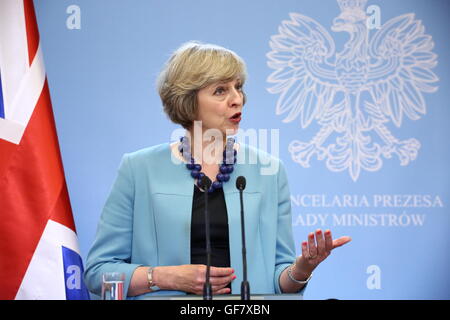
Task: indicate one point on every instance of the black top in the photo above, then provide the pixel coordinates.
(218, 219)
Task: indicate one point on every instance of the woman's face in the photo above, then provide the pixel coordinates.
(220, 106)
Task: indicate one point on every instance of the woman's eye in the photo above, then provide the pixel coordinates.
(219, 91)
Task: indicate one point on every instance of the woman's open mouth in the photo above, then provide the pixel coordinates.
(236, 118)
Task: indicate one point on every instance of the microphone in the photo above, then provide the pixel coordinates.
(245, 285)
(205, 183)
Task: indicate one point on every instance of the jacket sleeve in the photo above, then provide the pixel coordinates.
(111, 250)
(285, 247)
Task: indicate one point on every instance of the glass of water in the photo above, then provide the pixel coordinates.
(113, 285)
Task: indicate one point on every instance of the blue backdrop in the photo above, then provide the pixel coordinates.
(382, 179)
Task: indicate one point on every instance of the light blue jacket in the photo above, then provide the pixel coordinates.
(146, 220)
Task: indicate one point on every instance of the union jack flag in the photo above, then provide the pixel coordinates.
(39, 254)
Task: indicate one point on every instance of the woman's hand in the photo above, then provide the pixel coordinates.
(191, 278)
(315, 250)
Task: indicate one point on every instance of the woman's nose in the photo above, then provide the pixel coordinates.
(236, 98)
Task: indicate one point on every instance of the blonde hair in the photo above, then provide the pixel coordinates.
(191, 67)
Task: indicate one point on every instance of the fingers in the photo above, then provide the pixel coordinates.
(341, 241)
(222, 281)
(216, 289)
(312, 246)
(328, 241)
(218, 284)
(220, 272)
(305, 251)
(320, 243)
(219, 279)
(222, 291)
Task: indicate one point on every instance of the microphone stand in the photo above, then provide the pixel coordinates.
(245, 285)
(207, 288)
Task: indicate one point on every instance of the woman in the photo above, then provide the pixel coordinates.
(152, 226)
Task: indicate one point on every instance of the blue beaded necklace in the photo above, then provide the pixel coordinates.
(227, 166)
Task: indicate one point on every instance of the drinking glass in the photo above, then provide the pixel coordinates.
(113, 285)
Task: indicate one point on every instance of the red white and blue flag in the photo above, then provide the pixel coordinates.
(39, 253)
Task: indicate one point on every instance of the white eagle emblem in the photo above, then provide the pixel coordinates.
(352, 94)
